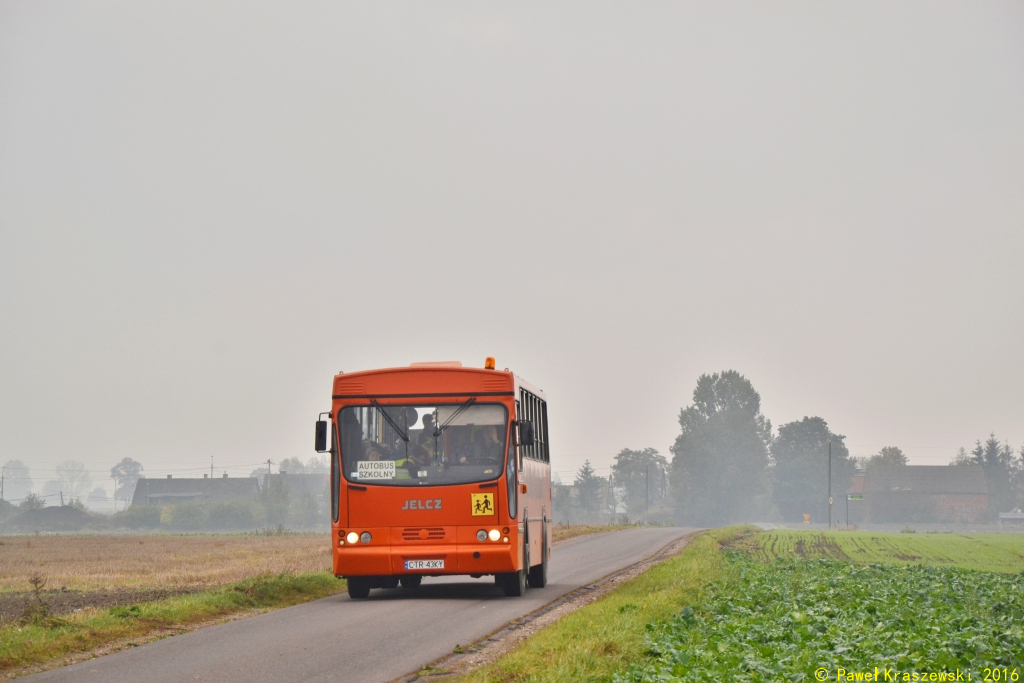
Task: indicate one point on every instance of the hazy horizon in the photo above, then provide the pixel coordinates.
(206, 211)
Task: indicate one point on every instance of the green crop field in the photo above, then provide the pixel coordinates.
(788, 618)
(741, 604)
(984, 552)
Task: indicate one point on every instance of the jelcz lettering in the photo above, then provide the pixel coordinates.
(430, 504)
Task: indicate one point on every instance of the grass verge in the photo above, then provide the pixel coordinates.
(983, 552)
(595, 642)
(44, 639)
(563, 532)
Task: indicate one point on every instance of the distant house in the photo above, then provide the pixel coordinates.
(917, 493)
(299, 484)
(1015, 517)
(169, 491)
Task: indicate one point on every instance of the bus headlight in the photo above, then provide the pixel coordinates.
(352, 537)
(481, 535)
(494, 535)
(365, 537)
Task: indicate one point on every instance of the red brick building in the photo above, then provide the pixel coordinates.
(926, 494)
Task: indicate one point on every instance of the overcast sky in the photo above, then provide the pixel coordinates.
(207, 210)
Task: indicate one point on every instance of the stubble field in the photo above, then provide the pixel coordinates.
(87, 563)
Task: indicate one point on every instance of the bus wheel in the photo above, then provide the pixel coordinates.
(539, 574)
(412, 581)
(514, 584)
(358, 587)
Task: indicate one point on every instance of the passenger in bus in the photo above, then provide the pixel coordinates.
(428, 429)
(488, 446)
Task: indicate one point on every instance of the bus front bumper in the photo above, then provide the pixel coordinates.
(427, 559)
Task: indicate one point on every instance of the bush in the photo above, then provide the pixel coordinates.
(184, 517)
(231, 514)
(304, 512)
(139, 517)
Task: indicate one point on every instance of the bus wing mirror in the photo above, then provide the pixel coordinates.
(525, 433)
(321, 436)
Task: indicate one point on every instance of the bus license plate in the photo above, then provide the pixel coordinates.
(424, 564)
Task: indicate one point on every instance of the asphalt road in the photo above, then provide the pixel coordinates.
(391, 633)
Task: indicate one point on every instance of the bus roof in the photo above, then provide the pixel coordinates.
(429, 379)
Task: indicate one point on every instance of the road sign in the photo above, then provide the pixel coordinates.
(854, 496)
(830, 500)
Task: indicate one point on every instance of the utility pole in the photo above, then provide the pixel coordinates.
(211, 467)
(830, 485)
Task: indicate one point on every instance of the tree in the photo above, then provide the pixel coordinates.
(890, 455)
(962, 457)
(641, 477)
(720, 459)
(32, 502)
(74, 479)
(800, 475)
(588, 487)
(563, 508)
(17, 482)
(1000, 472)
(292, 465)
(126, 475)
(1018, 479)
(318, 465)
(273, 501)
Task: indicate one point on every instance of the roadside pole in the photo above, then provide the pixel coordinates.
(849, 497)
(830, 486)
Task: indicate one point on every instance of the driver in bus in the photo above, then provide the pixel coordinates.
(418, 459)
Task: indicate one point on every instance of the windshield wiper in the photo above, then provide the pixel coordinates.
(391, 422)
(438, 431)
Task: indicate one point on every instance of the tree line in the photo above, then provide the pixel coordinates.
(729, 465)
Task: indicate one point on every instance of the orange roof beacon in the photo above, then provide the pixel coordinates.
(436, 470)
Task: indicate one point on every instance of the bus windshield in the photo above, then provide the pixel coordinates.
(417, 445)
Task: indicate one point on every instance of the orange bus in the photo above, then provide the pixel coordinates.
(438, 470)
